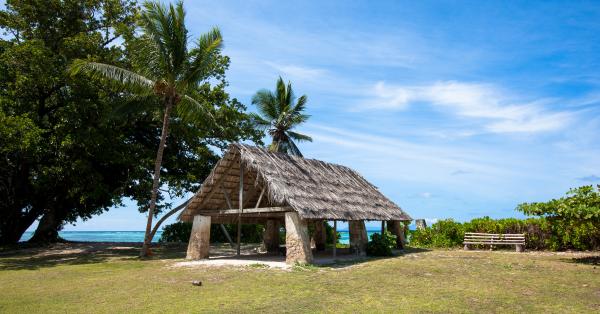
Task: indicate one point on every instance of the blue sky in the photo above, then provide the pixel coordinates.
(453, 109)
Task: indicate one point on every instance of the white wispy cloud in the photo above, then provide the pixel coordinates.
(297, 72)
(498, 109)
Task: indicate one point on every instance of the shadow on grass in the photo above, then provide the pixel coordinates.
(79, 253)
(346, 259)
(588, 260)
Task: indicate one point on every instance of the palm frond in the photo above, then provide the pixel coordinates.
(293, 149)
(259, 122)
(282, 95)
(124, 78)
(208, 48)
(299, 136)
(266, 102)
(300, 104)
(192, 111)
(153, 22)
(136, 104)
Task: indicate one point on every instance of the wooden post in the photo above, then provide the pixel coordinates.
(271, 236)
(199, 243)
(241, 202)
(319, 235)
(334, 238)
(382, 227)
(297, 241)
(519, 248)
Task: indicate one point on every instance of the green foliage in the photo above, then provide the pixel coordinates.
(279, 115)
(180, 232)
(581, 204)
(72, 147)
(541, 233)
(329, 234)
(381, 245)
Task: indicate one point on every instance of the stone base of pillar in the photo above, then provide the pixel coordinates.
(297, 240)
(358, 237)
(271, 236)
(397, 229)
(199, 243)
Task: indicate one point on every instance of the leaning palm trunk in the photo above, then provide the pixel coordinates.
(155, 184)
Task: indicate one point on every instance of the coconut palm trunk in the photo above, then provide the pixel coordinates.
(167, 69)
(156, 181)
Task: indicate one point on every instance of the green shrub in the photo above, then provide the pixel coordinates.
(180, 232)
(381, 245)
(540, 233)
(444, 233)
(176, 232)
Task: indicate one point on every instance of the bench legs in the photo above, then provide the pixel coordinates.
(519, 248)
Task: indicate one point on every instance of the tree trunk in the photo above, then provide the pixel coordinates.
(12, 229)
(47, 230)
(155, 184)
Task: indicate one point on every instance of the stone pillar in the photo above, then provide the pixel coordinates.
(358, 237)
(297, 241)
(271, 236)
(397, 229)
(199, 238)
(319, 237)
(421, 224)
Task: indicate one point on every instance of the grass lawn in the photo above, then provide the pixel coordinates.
(115, 281)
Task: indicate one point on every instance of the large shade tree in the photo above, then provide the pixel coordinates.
(72, 148)
(167, 68)
(279, 114)
(58, 157)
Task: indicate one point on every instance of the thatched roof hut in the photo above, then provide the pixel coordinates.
(313, 188)
(252, 185)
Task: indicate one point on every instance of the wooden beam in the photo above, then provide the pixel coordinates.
(259, 210)
(226, 195)
(251, 193)
(219, 182)
(228, 201)
(241, 203)
(334, 238)
(262, 192)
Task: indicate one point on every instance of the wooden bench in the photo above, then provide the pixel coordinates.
(491, 239)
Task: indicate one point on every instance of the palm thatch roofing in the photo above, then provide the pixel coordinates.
(313, 188)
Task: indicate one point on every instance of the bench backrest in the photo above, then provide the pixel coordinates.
(494, 238)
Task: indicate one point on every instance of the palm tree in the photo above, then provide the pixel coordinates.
(279, 115)
(169, 71)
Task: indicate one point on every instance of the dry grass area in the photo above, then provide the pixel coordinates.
(110, 279)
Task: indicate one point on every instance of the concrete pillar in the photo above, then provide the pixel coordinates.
(358, 237)
(297, 241)
(397, 229)
(319, 236)
(271, 236)
(199, 238)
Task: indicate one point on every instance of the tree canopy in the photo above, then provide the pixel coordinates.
(580, 204)
(73, 147)
(278, 116)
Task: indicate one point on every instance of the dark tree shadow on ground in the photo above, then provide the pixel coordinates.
(78, 253)
(588, 260)
(346, 258)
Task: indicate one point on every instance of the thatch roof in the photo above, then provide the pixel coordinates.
(313, 188)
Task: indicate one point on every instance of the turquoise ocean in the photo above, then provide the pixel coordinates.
(135, 236)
